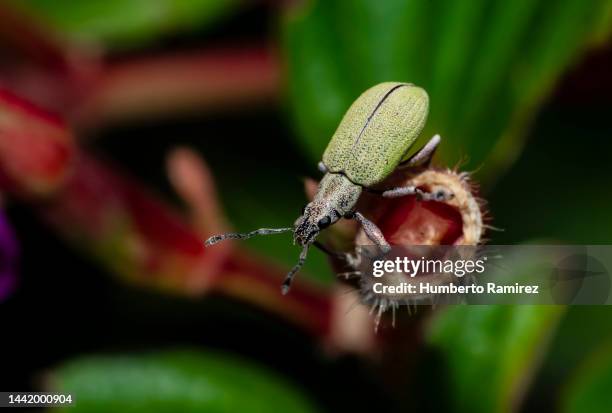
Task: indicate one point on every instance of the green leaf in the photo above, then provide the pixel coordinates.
(175, 381)
(490, 352)
(578, 338)
(487, 65)
(589, 392)
(128, 23)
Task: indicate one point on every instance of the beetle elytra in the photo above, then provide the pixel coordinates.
(371, 141)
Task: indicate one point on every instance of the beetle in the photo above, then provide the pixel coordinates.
(372, 140)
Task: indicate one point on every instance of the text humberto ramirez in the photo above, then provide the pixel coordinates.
(458, 268)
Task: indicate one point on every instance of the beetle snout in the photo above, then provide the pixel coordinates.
(305, 231)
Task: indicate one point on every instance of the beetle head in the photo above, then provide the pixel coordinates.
(336, 196)
(316, 216)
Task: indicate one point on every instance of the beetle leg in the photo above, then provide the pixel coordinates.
(373, 232)
(439, 195)
(289, 277)
(238, 235)
(401, 191)
(424, 155)
(322, 167)
(422, 195)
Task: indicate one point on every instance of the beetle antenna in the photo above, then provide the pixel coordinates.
(287, 283)
(245, 235)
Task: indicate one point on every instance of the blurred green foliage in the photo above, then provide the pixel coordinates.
(555, 190)
(178, 381)
(590, 389)
(486, 65)
(121, 24)
(491, 352)
(583, 335)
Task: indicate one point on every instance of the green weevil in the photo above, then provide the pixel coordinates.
(372, 140)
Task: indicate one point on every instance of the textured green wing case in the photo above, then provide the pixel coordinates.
(376, 132)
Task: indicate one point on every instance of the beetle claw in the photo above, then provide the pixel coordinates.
(439, 195)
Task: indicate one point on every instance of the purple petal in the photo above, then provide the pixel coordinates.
(9, 252)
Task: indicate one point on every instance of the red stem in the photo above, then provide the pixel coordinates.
(215, 79)
(111, 217)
